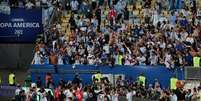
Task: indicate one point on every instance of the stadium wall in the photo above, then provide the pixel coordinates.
(67, 72)
(16, 55)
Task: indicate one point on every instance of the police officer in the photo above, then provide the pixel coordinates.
(142, 79)
(11, 79)
(196, 61)
(173, 82)
(98, 76)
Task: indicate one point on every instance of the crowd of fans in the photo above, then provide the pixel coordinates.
(29, 3)
(125, 90)
(123, 32)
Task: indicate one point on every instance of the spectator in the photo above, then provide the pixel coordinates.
(74, 5)
(53, 58)
(112, 33)
(29, 5)
(77, 81)
(173, 96)
(50, 97)
(39, 82)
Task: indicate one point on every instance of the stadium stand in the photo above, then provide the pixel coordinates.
(115, 36)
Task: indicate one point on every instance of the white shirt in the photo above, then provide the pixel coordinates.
(106, 48)
(129, 96)
(115, 97)
(155, 18)
(74, 5)
(141, 60)
(58, 26)
(153, 59)
(90, 49)
(60, 60)
(190, 39)
(85, 96)
(37, 59)
(38, 4)
(90, 59)
(143, 49)
(44, 1)
(167, 57)
(68, 94)
(184, 36)
(17, 91)
(29, 5)
(173, 98)
(162, 45)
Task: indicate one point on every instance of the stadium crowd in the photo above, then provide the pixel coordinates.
(123, 32)
(103, 90)
(116, 32)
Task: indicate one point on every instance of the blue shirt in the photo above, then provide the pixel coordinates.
(183, 22)
(188, 58)
(173, 20)
(179, 47)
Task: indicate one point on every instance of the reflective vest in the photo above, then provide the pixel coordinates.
(120, 59)
(196, 61)
(142, 80)
(98, 77)
(173, 82)
(11, 80)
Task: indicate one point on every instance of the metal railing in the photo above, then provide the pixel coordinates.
(192, 73)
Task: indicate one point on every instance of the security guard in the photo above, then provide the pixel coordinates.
(196, 61)
(11, 79)
(120, 57)
(98, 76)
(142, 79)
(173, 82)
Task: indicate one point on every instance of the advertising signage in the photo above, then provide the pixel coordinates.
(20, 25)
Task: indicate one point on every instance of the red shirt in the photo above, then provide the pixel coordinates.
(57, 94)
(79, 94)
(112, 14)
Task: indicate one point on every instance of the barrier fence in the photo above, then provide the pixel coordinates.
(66, 72)
(192, 73)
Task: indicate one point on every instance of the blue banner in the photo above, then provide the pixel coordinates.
(20, 25)
(151, 73)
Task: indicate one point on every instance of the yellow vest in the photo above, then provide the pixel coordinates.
(98, 76)
(120, 59)
(173, 82)
(10, 79)
(142, 79)
(196, 61)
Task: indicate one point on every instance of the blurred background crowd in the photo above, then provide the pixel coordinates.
(122, 32)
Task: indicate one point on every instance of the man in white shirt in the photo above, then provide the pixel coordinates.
(141, 60)
(91, 59)
(168, 61)
(153, 59)
(74, 5)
